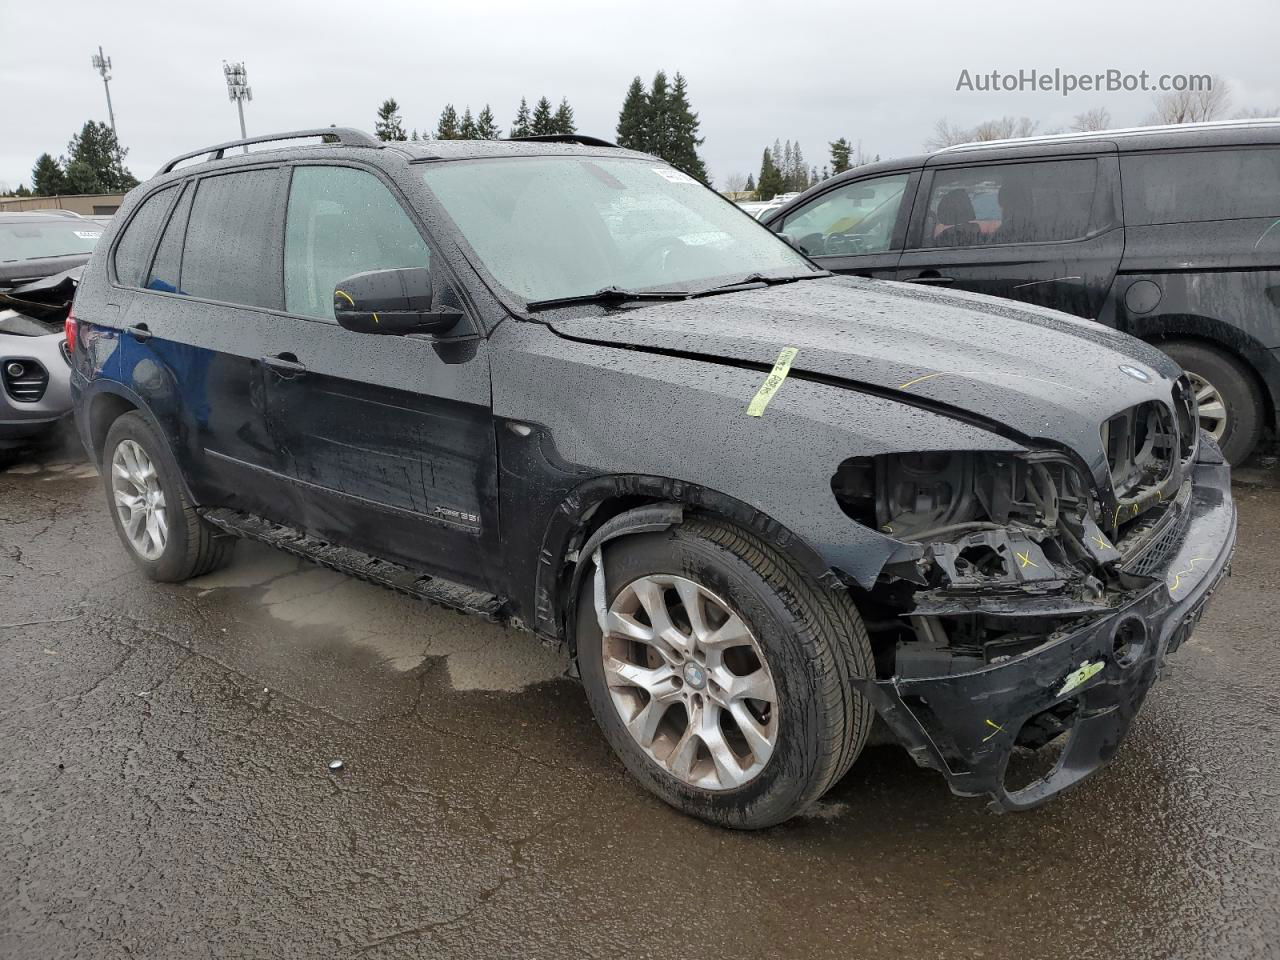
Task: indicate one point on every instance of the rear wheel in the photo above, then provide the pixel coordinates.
(155, 519)
(1230, 401)
(723, 677)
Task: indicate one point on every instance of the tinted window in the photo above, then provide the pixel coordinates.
(164, 271)
(341, 222)
(854, 218)
(139, 236)
(230, 253)
(1209, 185)
(1010, 203)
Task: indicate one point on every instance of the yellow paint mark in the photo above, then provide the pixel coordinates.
(375, 319)
(343, 293)
(1115, 522)
(781, 367)
(912, 383)
(1177, 577)
(1100, 541)
(996, 728)
(1024, 560)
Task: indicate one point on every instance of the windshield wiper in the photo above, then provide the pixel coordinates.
(753, 278)
(609, 295)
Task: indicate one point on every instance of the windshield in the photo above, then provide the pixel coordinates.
(569, 226)
(46, 238)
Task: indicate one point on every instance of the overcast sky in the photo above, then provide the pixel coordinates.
(809, 71)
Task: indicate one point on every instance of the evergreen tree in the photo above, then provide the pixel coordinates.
(388, 125)
(415, 134)
(467, 131)
(770, 183)
(751, 183)
(486, 128)
(22, 191)
(799, 177)
(521, 125)
(447, 128)
(633, 126)
(826, 174)
(787, 168)
(683, 149)
(660, 134)
(814, 178)
(840, 156)
(47, 178)
(563, 120)
(95, 162)
(544, 120)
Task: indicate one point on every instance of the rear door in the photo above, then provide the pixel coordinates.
(1042, 230)
(389, 440)
(195, 333)
(856, 227)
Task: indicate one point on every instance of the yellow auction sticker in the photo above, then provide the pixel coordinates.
(781, 367)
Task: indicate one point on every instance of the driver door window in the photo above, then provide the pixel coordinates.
(856, 218)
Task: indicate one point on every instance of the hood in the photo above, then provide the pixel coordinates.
(18, 272)
(1039, 373)
(38, 308)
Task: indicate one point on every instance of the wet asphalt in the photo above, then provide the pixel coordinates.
(165, 791)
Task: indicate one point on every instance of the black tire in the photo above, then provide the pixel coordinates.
(1236, 385)
(193, 547)
(814, 642)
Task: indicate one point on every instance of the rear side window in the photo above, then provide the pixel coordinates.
(1206, 185)
(1010, 203)
(232, 253)
(342, 222)
(168, 262)
(134, 248)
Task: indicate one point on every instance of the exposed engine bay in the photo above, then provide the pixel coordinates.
(1005, 552)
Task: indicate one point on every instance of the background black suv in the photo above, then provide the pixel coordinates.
(1171, 234)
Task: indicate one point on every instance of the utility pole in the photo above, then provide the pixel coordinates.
(238, 89)
(103, 66)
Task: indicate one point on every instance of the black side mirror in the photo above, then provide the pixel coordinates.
(391, 302)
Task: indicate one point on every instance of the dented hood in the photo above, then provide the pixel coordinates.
(1037, 372)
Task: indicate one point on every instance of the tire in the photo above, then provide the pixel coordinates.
(1235, 384)
(812, 642)
(192, 547)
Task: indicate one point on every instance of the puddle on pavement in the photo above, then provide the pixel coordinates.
(400, 631)
(55, 470)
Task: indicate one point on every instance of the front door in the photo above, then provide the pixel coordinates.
(857, 227)
(1045, 232)
(388, 440)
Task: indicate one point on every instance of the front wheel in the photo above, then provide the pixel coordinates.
(723, 677)
(155, 519)
(1230, 402)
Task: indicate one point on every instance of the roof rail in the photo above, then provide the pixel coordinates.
(582, 138)
(1117, 132)
(348, 136)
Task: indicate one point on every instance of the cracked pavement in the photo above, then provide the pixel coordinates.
(165, 793)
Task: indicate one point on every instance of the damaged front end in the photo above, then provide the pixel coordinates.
(1031, 604)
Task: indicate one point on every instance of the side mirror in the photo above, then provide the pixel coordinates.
(390, 302)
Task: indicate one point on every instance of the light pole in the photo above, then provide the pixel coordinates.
(103, 66)
(238, 89)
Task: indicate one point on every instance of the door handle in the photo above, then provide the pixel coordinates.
(286, 364)
(139, 332)
(933, 280)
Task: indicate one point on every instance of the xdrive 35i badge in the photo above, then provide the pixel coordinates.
(1135, 373)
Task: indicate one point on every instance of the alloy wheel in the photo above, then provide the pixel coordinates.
(690, 682)
(139, 500)
(1213, 410)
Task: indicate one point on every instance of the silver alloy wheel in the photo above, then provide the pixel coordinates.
(139, 500)
(1213, 411)
(690, 682)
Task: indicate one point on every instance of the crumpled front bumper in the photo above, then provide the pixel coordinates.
(965, 725)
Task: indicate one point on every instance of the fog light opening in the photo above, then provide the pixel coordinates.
(1129, 640)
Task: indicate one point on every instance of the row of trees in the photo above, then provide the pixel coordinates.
(660, 120)
(93, 163)
(783, 169)
(1184, 106)
(543, 119)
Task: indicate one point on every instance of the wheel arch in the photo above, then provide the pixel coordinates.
(625, 504)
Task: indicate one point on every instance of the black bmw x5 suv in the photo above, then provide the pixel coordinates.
(565, 386)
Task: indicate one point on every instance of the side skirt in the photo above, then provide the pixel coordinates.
(363, 566)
